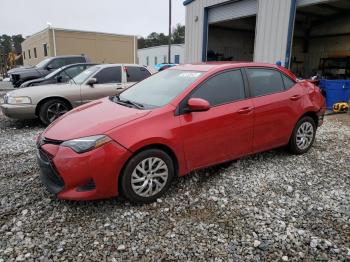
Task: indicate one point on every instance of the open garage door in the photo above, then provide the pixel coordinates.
(231, 31)
(321, 44)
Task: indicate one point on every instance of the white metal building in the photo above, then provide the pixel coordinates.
(159, 54)
(299, 33)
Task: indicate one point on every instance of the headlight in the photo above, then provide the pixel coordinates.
(85, 144)
(15, 100)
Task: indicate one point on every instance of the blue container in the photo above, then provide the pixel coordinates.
(336, 91)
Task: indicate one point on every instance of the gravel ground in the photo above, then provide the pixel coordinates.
(270, 206)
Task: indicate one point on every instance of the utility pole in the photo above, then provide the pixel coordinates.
(169, 51)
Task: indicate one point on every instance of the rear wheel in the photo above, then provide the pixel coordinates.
(53, 109)
(147, 176)
(303, 136)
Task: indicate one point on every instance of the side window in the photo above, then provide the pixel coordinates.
(71, 72)
(136, 74)
(264, 81)
(288, 83)
(57, 63)
(223, 88)
(109, 75)
(74, 60)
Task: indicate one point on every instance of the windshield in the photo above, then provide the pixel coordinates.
(85, 75)
(159, 89)
(53, 73)
(43, 63)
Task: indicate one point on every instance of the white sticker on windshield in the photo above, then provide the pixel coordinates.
(190, 74)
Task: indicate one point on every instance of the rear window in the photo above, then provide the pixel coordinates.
(136, 74)
(264, 81)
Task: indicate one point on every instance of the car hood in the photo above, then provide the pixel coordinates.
(38, 80)
(94, 118)
(32, 91)
(19, 69)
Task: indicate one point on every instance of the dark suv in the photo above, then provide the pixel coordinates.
(21, 75)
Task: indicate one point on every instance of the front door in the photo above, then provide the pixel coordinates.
(109, 82)
(225, 131)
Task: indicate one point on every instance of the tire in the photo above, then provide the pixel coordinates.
(303, 136)
(52, 109)
(137, 179)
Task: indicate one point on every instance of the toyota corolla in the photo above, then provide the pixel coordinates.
(182, 119)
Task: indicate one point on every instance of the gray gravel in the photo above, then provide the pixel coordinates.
(270, 206)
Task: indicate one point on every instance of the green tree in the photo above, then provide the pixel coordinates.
(178, 34)
(156, 39)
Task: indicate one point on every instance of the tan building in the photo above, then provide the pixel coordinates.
(99, 47)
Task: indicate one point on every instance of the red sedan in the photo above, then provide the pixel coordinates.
(181, 119)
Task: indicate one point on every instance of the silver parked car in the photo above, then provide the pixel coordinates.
(49, 102)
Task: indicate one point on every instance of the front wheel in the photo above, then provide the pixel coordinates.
(303, 136)
(147, 176)
(53, 109)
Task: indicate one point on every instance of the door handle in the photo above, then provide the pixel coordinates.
(245, 110)
(295, 97)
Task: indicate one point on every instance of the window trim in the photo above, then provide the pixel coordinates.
(180, 109)
(265, 68)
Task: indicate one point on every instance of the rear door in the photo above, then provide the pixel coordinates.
(226, 130)
(134, 74)
(276, 107)
(109, 82)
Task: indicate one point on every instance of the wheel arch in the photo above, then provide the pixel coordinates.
(44, 100)
(160, 146)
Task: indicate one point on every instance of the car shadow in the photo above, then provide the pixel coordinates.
(9, 123)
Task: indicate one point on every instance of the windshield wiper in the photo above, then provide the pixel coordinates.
(128, 102)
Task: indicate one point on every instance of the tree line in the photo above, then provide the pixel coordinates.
(10, 45)
(156, 39)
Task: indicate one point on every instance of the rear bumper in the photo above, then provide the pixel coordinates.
(19, 111)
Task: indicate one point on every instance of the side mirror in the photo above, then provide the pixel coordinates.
(59, 79)
(197, 105)
(91, 82)
(49, 68)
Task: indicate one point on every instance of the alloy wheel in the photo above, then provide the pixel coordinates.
(55, 111)
(305, 135)
(149, 177)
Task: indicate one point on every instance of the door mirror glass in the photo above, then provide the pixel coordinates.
(197, 105)
(91, 82)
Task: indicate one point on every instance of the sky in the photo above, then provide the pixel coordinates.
(131, 17)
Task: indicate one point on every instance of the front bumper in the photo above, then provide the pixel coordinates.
(25, 111)
(87, 176)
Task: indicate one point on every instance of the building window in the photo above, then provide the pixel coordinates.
(24, 55)
(147, 60)
(29, 55)
(155, 60)
(165, 60)
(45, 49)
(35, 55)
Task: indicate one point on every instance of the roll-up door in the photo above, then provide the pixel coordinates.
(232, 11)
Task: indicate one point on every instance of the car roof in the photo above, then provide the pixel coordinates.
(77, 64)
(110, 65)
(217, 66)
